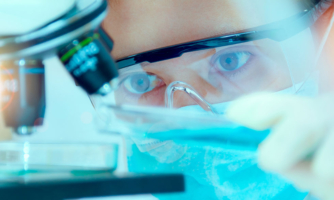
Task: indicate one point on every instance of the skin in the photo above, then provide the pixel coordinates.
(148, 24)
(142, 25)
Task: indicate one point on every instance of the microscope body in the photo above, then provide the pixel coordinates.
(79, 42)
(23, 94)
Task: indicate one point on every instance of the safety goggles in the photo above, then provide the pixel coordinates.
(223, 68)
(277, 31)
(208, 74)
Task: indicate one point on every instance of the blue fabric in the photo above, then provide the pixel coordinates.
(212, 172)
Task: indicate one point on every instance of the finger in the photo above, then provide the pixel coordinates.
(303, 178)
(260, 111)
(323, 162)
(290, 142)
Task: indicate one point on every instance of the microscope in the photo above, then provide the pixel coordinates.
(71, 32)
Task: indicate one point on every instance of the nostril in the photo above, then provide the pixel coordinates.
(190, 92)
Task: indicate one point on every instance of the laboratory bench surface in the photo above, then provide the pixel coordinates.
(90, 186)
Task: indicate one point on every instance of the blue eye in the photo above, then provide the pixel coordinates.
(140, 83)
(232, 61)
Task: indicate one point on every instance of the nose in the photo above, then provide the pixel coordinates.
(188, 90)
(186, 86)
(190, 70)
(179, 80)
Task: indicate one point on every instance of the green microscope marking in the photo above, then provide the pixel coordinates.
(83, 43)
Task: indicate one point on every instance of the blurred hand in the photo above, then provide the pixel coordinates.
(300, 127)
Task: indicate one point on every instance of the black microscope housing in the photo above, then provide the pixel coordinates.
(81, 45)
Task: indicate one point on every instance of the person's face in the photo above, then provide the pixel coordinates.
(218, 74)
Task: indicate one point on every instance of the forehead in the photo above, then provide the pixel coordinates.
(142, 25)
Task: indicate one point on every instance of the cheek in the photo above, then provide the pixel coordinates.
(156, 97)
